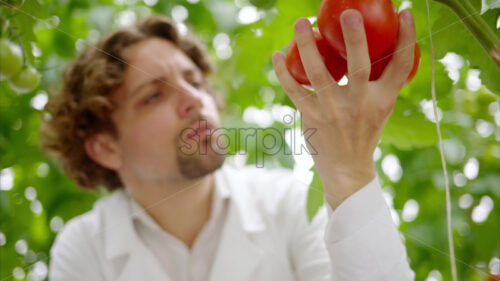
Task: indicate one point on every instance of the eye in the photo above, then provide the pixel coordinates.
(152, 98)
(196, 84)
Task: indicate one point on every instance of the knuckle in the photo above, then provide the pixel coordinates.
(386, 110)
(279, 72)
(279, 67)
(399, 83)
(355, 38)
(407, 61)
(364, 73)
(404, 62)
(321, 116)
(360, 71)
(406, 69)
(332, 117)
(289, 89)
(316, 74)
(357, 114)
(305, 44)
(314, 118)
(321, 80)
(287, 86)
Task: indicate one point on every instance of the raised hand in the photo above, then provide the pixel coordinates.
(349, 119)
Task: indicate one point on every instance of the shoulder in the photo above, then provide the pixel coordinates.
(77, 252)
(91, 220)
(84, 230)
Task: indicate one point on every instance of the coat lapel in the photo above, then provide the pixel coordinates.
(130, 257)
(238, 255)
(141, 265)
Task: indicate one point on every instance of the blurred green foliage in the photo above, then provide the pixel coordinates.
(36, 198)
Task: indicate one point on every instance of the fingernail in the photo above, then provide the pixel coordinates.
(275, 57)
(351, 19)
(301, 24)
(408, 17)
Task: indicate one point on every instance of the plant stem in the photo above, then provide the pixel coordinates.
(451, 244)
(477, 26)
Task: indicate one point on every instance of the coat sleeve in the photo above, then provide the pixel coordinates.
(356, 241)
(72, 257)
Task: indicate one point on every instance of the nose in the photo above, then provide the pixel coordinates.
(190, 100)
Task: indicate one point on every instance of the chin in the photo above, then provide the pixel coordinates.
(198, 165)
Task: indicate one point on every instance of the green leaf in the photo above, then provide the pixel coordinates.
(407, 128)
(451, 35)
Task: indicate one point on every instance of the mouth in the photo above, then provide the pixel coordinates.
(201, 130)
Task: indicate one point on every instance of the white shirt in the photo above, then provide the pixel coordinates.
(179, 262)
(266, 236)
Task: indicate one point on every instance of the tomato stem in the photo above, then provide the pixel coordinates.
(477, 26)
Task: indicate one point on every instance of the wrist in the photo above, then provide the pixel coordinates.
(339, 185)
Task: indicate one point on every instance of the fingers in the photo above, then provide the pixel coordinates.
(358, 59)
(311, 59)
(398, 69)
(302, 99)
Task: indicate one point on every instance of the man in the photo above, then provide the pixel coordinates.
(133, 114)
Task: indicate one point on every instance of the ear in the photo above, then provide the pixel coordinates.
(104, 150)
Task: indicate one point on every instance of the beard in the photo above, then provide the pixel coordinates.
(207, 158)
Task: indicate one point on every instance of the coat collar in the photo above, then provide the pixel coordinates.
(243, 201)
(121, 240)
(242, 221)
(119, 232)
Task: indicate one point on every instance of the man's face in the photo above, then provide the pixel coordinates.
(164, 116)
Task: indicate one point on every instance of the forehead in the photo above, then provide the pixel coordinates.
(154, 56)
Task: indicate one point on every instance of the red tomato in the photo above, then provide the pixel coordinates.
(494, 277)
(336, 65)
(380, 19)
(379, 65)
(416, 64)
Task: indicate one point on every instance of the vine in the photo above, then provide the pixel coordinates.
(477, 26)
(490, 43)
(441, 151)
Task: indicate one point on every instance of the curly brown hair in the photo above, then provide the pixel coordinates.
(82, 108)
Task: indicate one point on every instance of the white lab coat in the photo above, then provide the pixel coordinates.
(266, 237)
